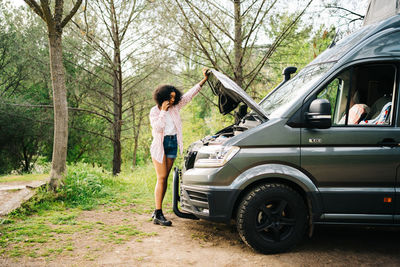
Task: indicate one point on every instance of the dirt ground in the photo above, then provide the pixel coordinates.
(203, 243)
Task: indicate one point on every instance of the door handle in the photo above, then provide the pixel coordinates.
(390, 142)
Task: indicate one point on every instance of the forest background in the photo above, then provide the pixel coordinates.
(115, 53)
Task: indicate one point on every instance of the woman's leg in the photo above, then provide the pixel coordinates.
(161, 185)
(169, 163)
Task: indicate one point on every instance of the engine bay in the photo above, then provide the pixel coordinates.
(249, 121)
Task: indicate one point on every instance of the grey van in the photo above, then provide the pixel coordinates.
(321, 148)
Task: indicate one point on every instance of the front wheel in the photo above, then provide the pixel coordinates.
(272, 218)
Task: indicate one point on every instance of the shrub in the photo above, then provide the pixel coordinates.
(84, 185)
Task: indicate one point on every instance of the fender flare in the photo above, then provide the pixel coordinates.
(283, 172)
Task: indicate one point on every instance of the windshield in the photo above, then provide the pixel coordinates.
(278, 101)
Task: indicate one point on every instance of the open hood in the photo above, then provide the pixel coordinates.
(230, 95)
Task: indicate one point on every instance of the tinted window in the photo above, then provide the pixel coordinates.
(362, 96)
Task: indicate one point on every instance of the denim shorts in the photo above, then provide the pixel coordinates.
(170, 146)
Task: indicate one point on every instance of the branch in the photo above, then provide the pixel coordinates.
(137, 82)
(128, 22)
(211, 32)
(345, 9)
(91, 112)
(201, 12)
(97, 105)
(187, 57)
(35, 7)
(107, 26)
(47, 13)
(92, 73)
(254, 27)
(221, 9)
(213, 62)
(100, 49)
(249, 8)
(273, 47)
(51, 107)
(52, 123)
(71, 13)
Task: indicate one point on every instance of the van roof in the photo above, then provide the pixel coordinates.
(379, 10)
(344, 46)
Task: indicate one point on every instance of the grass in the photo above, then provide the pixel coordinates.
(23, 178)
(51, 224)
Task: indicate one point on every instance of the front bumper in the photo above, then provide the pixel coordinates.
(214, 203)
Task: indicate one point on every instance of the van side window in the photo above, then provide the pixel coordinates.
(362, 95)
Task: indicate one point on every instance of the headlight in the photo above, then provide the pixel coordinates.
(215, 156)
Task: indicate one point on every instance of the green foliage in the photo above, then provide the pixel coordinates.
(301, 45)
(26, 132)
(44, 226)
(84, 185)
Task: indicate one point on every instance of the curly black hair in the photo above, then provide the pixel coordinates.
(163, 93)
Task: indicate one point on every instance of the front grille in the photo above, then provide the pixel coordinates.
(196, 201)
(197, 196)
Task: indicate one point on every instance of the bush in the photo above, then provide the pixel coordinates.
(84, 185)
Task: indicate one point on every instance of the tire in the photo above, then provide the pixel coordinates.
(272, 218)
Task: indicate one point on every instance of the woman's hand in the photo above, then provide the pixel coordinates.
(206, 73)
(165, 105)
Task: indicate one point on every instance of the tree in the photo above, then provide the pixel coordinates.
(347, 14)
(22, 132)
(228, 34)
(11, 74)
(55, 22)
(119, 61)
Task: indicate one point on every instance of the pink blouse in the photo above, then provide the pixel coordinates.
(157, 121)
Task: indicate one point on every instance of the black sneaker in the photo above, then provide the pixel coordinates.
(158, 218)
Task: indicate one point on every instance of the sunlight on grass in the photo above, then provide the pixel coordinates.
(142, 182)
(23, 178)
(44, 227)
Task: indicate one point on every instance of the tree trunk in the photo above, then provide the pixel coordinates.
(117, 84)
(238, 44)
(137, 120)
(117, 111)
(58, 164)
(135, 147)
(134, 135)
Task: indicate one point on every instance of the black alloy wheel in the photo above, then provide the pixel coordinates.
(272, 218)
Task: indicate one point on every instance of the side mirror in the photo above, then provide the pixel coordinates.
(319, 114)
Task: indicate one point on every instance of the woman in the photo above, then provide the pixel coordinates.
(167, 136)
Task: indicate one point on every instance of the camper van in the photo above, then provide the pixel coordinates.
(321, 148)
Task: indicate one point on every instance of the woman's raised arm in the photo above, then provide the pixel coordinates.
(192, 92)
